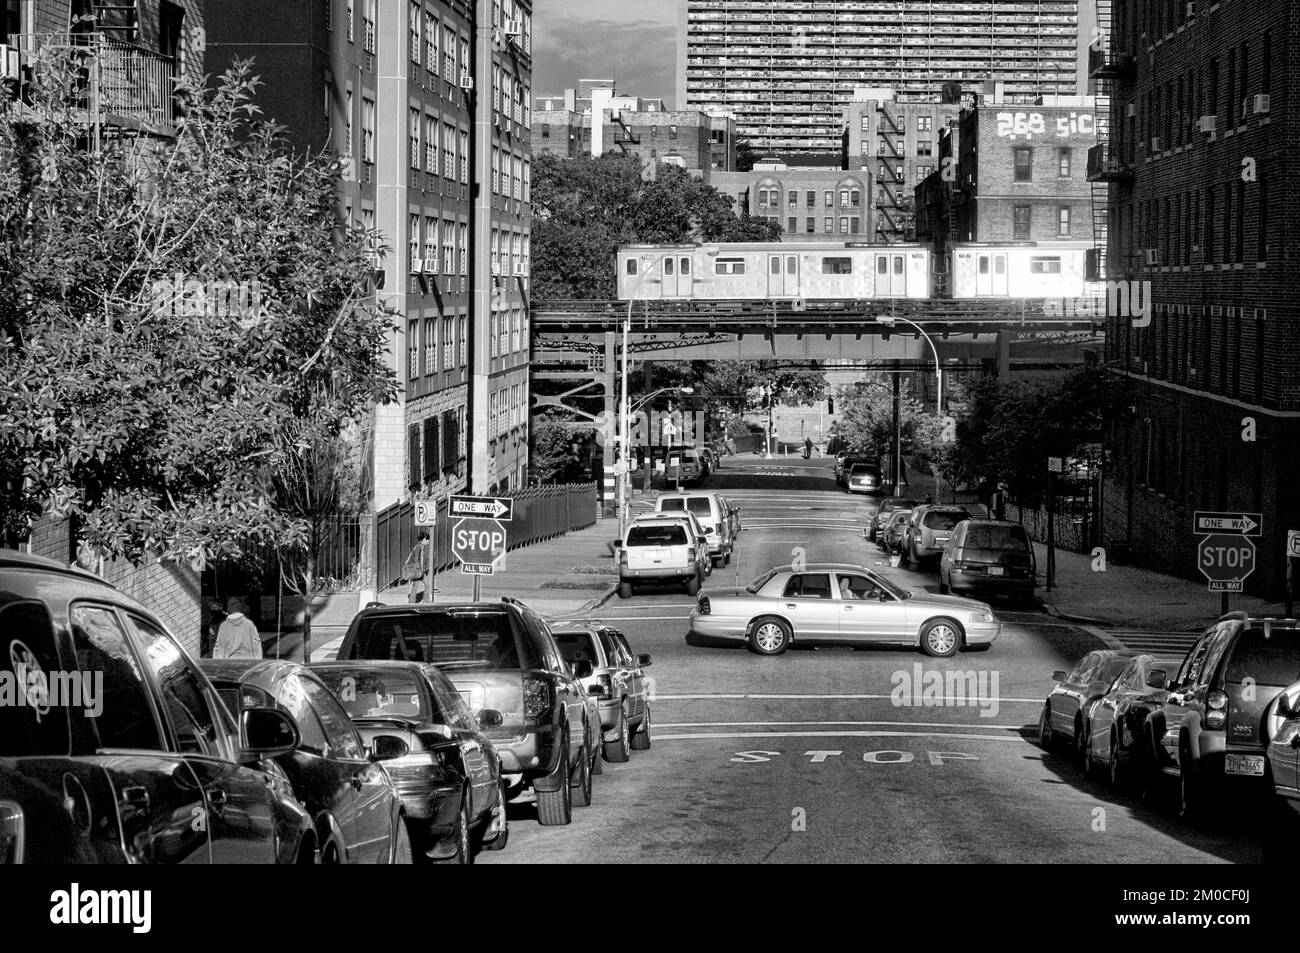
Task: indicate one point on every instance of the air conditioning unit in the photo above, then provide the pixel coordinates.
(1131, 110)
(8, 62)
(1155, 143)
(1191, 9)
(512, 28)
(1207, 124)
(367, 172)
(1261, 104)
(496, 267)
(519, 268)
(466, 80)
(1153, 256)
(418, 266)
(431, 266)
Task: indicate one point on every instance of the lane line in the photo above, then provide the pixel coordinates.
(895, 724)
(712, 736)
(635, 618)
(658, 697)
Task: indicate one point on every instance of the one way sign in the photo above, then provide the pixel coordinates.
(488, 506)
(1240, 524)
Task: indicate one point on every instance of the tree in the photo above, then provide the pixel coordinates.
(866, 424)
(745, 156)
(557, 453)
(180, 323)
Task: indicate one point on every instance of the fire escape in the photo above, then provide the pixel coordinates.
(889, 186)
(1111, 69)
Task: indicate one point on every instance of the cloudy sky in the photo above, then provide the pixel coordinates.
(633, 40)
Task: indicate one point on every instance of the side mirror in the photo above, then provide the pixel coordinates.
(490, 718)
(1157, 679)
(388, 747)
(1058, 676)
(266, 733)
(581, 669)
(643, 660)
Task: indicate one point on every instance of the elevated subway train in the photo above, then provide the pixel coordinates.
(837, 271)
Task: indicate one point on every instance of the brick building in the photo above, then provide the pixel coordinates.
(814, 205)
(702, 143)
(1203, 116)
(427, 98)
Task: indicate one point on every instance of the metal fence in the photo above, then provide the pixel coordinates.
(540, 513)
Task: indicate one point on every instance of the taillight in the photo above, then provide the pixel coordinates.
(622, 555)
(11, 832)
(537, 697)
(1216, 715)
(690, 554)
(704, 606)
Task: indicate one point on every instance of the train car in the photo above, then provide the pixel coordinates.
(1018, 270)
(751, 271)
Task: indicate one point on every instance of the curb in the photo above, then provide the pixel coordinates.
(1053, 611)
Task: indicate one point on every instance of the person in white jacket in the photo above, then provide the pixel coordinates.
(237, 637)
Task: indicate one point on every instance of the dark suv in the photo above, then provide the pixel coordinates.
(500, 656)
(1220, 714)
(118, 749)
(988, 557)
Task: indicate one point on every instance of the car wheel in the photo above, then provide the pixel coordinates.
(769, 636)
(693, 585)
(617, 750)
(593, 749)
(625, 590)
(641, 738)
(580, 781)
(464, 849)
(1046, 737)
(555, 808)
(941, 638)
(400, 852)
(500, 823)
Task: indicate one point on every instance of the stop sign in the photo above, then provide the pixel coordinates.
(1225, 558)
(478, 541)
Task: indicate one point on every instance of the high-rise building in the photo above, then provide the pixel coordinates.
(428, 103)
(788, 69)
(1196, 157)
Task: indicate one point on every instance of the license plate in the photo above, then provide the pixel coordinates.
(657, 554)
(1251, 765)
(996, 571)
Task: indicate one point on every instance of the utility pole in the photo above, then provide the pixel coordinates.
(898, 429)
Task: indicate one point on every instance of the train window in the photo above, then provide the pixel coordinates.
(837, 266)
(774, 265)
(685, 268)
(729, 266)
(668, 266)
(999, 264)
(1044, 266)
(791, 265)
(898, 264)
(631, 266)
(882, 265)
(984, 265)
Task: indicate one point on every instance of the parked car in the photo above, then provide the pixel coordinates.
(988, 557)
(501, 657)
(733, 517)
(1282, 831)
(1219, 716)
(786, 604)
(1117, 722)
(685, 466)
(617, 682)
(157, 770)
(661, 548)
(1068, 708)
(928, 531)
(712, 512)
(352, 801)
(844, 461)
(446, 769)
(891, 537)
(888, 506)
(864, 478)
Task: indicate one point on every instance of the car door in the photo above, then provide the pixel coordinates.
(321, 783)
(464, 726)
(1113, 700)
(1067, 698)
(570, 693)
(125, 779)
(637, 687)
(807, 602)
(873, 614)
(241, 823)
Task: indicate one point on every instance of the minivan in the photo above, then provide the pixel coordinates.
(714, 515)
(988, 557)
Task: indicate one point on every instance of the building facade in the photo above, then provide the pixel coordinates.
(424, 101)
(1203, 112)
(787, 70)
(814, 205)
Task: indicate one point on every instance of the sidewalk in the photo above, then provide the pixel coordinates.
(562, 577)
(1125, 596)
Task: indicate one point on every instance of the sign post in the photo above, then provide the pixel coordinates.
(1055, 465)
(426, 514)
(1225, 555)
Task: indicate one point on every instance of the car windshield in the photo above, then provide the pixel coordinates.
(760, 581)
(981, 536)
(1274, 661)
(380, 693)
(577, 647)
(941, 520)
(480, 638)
(859, 468)
(667, 534)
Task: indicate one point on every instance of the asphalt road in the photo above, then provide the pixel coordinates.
(805, 758)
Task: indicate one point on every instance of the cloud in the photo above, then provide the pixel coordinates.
(636, 43)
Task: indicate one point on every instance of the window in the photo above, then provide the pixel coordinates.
(431, 239)
(1063, 160)
(431, 43)
(368, 25)
(811, 199)
(828, 225)
(1240, 223)
(837, 266)
(413, 29)
(924, 123)
(448, 343)
(431, 145)
(412, 351)
(448, 152)
(462, 247)
(1044, 266)
(855, 224)
(844, 225)
(413, 457)
(1261, 220)
(1266, 65)
(727, 266)
(412, 239)
(352, 19)
(631, 266)
(855, 198)
(1231, 77)
(828, 198)
(347, 123)
(791, 225)
(464, 158)
(449, 55)
(811, 224)
(184, 695)
(413, 138)
(1063, 220)
(1024, 164)
(126, 718)
(808, 586)
(367, 129)
(496, 171)
(430, 346)
(844, 198)
(340, 734)
(792, 199)
(1020, 223)
(925, 147)
(464, 341)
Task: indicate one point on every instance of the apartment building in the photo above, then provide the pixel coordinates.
(1195, 161)
(424, 100)
(813, 205)
(787, 68)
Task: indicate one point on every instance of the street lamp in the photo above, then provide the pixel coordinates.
(627, 426)
(888, 320)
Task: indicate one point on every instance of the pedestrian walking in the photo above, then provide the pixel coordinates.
(807, 448)
(416, 569)
(237, 636)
